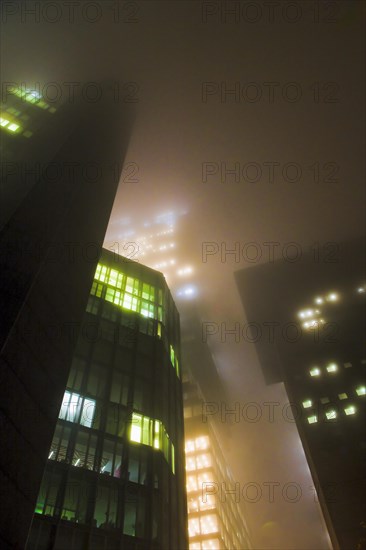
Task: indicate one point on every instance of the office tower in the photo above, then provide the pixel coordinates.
(215, 517)
(60, 177)
(308, 320)
(115, 472)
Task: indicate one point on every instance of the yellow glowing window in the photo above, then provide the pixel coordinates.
(4, 122)
(361, 390)
(208, 503)
(193, 527)
(315, 371)
(192, 484)
(194, 545)
(312, 419)
(342, 396)
(331, 415)
(190, 464)
(159, 330)
(205, 477)
(306, 404)
(332, 367)
(173, 459)
(136, 428)
(157, 428)
(202, 443)
(189, 446)
(350, 410)
(209, 524)
(203, 460)
(212, 544)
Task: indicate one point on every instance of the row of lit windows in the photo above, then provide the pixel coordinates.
(83, 454)
(127, 301)
(143, 430)
(151, 432)
(195, 482)
(31, 96)
(330, 368)
(121, 281)
(332, 414)
(200, 443)
(198, 462)
(360, 390)
(106, 514)
(11, 125)
(207, 544)
(203, 525)
(201, 503)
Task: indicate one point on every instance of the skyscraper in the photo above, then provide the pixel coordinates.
(215, 517)
(308, 320)
(60, 173)
(115, 471)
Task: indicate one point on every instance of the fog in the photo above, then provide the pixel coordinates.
(299, 180)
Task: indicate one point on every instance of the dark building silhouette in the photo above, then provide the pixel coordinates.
(309, 327)
(60, 172)
(115, 471)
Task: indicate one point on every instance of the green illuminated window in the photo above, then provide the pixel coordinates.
(306, 404)
(361, 390)
(350, 410)
(172, 355)
(31, 96)
(147, 431)
(342, 396)
(312, 419)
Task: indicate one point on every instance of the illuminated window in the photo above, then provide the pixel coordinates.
(332, 367)
(209, 524)
(194, 546)
(189, 446)
(312, 419)
(191, 483)
(212, 544)
(332, 297)
(208, 503)
(152, 433)
(307, 404)
(203, 461)
(73, 404)
(205, 477)
(361, 390)
(342, 396)
(190, 463)
(202, 443)
(350, 410)
(331, 414)
(324, 400)
(193, 527)
(315, 371)
(319, 300)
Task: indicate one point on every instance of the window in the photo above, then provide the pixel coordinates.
(361, 390)
(60, 443)
(342, 396)
(312, 419)
(47, 496)
(75, 500)
(76, 373)
(209, 524)
(332, 367)
(331, 415)
(315, 371)
(84, 452)
(350, 410)
(306, 404)
(111, 463)
(119, 388)
(105, 512)
(324, 400)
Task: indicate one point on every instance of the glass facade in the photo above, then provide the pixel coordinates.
(115, 472)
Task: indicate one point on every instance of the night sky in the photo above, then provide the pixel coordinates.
(311, 131)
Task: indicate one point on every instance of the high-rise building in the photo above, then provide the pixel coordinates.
(60, 172)
(115, 475)
(308, 321)
(215, 517)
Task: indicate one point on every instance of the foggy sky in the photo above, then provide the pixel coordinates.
(169, 52)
